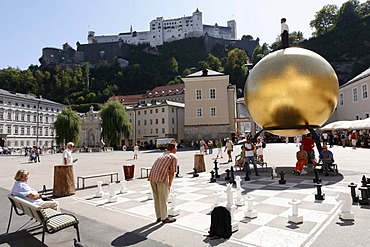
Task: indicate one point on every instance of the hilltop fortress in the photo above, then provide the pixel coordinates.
(116, 48)
(162, 30)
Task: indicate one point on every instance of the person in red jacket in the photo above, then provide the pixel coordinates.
(308, 146)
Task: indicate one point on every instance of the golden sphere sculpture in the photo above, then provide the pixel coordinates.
(290, 90)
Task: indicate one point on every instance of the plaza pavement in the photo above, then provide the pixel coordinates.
(102, 227)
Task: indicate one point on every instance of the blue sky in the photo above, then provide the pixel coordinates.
(28, 26)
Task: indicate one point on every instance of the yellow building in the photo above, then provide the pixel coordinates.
(210, 106)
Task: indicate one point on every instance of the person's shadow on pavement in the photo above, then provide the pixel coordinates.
(136, 236)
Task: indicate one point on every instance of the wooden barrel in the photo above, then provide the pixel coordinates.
(199, 162)
(64, 183)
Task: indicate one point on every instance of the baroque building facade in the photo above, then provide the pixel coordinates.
(90, 135)
(167, 30)
(27, 120)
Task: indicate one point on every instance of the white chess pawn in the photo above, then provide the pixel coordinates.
(250, 212)
(239, 199)
(345, 213)
(173, 211)
(123, 187)
(295, 218)
(274, 171)
(100, 191)
(112, 193)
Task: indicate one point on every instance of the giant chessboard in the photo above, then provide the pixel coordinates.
(270, 228)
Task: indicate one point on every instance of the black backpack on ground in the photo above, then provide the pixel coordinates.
(220, 223)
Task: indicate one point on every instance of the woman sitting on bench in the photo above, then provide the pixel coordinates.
(302, 159)
(26, 192)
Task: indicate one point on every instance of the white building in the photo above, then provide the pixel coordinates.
(168, 30)
(90, 129)
(153, 121)
(354, 102)
(26, 120)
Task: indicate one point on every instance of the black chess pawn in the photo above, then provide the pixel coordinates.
(227, 174)
(213, 179)
(232, 176)
(216, 169)
(282, 180)
(319, 196)
(316, 180)
(195, 173)
(355, 197)
(44, 189)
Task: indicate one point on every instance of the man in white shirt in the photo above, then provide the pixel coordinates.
(249, 157)
(67, 154)
(284, 33)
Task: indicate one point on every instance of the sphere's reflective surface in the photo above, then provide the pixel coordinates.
(290, 90)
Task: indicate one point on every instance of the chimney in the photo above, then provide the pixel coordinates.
(204, 72)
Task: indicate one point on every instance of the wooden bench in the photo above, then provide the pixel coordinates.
(333, 167)
(111, 174)
(263, 164)
(51, 220)
(147, 169)
(239, 163)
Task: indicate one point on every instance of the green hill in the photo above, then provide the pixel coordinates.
(347, 49)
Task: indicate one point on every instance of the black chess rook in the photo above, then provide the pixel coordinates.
(364, 196)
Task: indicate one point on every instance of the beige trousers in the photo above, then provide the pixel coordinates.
(160, 195)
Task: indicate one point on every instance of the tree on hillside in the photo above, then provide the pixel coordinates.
(67, 127)
(325, 19)
(295, 38)
(173, 65)
(114, 123)
(235, 66)
(177, 80)
(364, 9)
(247, 37)
(214, 63)
(348, 14)
(259, 52)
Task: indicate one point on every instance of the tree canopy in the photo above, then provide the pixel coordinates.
(114, 123)
(67, 127)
